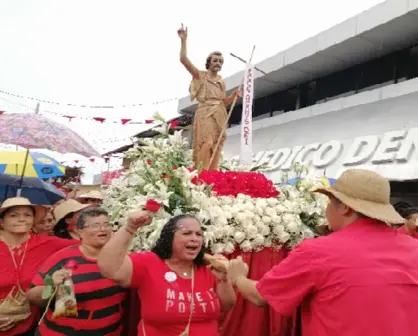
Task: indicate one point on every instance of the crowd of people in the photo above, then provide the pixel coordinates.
(361, 279)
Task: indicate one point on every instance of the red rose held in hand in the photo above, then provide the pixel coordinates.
(152, 206)
(71, 265)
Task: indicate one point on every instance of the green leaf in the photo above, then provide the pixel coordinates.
(48, 281)
(141, 142)
(260, 167)
(47, 292)
(157, 116)
(224, 168)
(67, 289)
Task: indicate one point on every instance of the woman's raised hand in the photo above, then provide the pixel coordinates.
(138, 219)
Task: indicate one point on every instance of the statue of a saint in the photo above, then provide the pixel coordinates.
(209, 89)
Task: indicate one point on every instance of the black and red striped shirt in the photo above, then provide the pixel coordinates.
(99, 300)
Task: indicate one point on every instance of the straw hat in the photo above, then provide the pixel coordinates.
(365, 192)
(40, 210)
(67, 207)
(93, 194)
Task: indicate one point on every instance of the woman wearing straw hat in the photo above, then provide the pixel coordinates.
(360, 280)
(93, 198)
(66, 215)
(21, 255)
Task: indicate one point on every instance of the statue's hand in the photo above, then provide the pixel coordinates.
(238, 93)
(182, 32)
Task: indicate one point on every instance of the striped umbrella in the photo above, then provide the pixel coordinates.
(34, 165)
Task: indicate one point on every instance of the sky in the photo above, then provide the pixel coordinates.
(126, 52)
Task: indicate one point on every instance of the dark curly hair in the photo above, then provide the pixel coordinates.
(408, 212)
(164, 246)
(61, 228)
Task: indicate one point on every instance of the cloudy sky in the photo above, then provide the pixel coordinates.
(125, 52)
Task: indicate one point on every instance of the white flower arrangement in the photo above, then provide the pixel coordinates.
(160, 172)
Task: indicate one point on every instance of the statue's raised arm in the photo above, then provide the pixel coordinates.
(182, 32)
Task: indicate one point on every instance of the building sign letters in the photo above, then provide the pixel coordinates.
(390, 147)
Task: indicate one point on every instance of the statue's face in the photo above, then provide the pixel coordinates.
(216, 63)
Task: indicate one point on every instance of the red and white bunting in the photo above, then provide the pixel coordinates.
(101, 120)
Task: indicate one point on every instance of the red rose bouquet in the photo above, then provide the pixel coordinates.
(232, 183)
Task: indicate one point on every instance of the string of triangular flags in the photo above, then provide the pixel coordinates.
(87, 106)
(113, 140)
(70, 117)
(100, 160)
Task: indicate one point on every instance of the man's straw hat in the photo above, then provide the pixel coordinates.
(67, 207)
(40, 210)
(92, 194)
(365, 192)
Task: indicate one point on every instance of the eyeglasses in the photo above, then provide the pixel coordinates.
(97, 226)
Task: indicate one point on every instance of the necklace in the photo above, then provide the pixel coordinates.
(19, 252)
(183, 274)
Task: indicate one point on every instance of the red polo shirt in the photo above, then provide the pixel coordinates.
(361, 280)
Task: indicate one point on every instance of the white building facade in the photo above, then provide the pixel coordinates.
(372, 125)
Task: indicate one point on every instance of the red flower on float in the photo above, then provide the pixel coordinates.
(231, 183)
(173, 124)
(152, 206)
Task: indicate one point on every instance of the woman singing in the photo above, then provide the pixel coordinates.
(171, 279)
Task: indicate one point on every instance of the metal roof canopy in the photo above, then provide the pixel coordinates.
(385, 28)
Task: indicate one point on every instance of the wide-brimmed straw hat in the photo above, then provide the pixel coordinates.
(365, 192)
(40, 210)
(92, 194)
(67, 207)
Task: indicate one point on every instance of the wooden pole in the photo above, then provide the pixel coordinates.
(229, 114)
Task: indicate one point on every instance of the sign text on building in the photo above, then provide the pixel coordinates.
(394, 146)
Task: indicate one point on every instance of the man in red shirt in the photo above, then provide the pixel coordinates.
(360, 280)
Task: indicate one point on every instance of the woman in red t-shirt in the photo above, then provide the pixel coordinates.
(179, 295)
(21, 255)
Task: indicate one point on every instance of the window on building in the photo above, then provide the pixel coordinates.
(386, 70)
